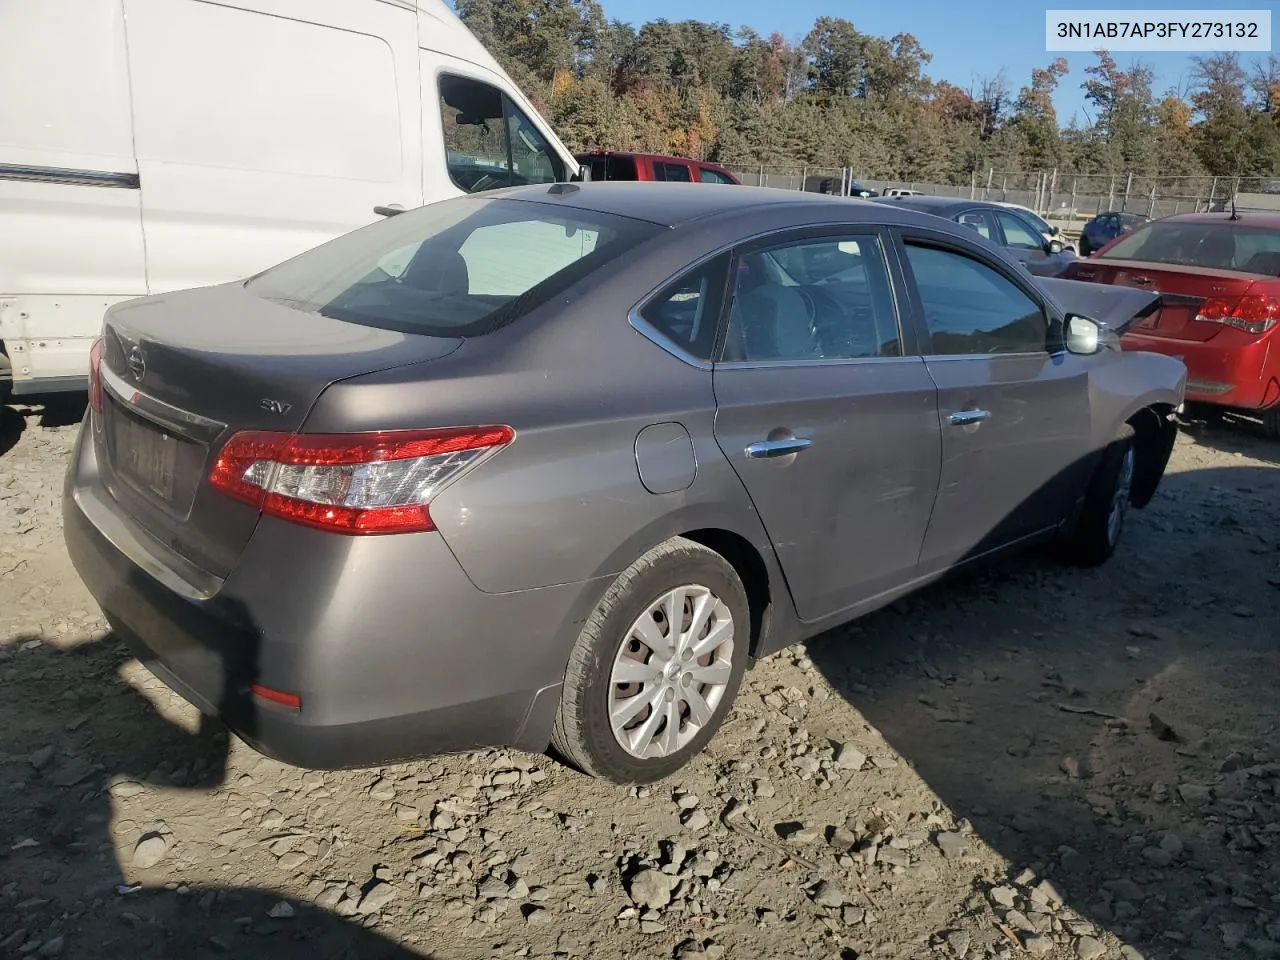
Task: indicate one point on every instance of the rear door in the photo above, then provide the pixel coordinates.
(827, 415)
(265, 128)
(1014, 407)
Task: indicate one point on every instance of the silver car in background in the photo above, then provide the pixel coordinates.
(549, 465)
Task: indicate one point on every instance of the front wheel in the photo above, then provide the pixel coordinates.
(656, 667)
(1106, 504)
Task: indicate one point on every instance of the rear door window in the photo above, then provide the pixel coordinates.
(665, 170)
(707, 175)
(979, 221)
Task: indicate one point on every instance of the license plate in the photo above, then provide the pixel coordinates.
(148, 455)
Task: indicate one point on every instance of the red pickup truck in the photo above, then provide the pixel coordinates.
(615, 165)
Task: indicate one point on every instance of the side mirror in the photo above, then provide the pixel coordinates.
(582, 175)
(1054, 247)
(1086, 336)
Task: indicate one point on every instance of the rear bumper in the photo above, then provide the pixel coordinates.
(392, 650)
(1228, 370)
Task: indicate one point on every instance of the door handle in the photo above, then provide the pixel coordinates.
(963, 418)
(778, 448)
(390, 210)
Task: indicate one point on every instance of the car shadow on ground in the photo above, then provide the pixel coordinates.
(12, 424)
(56, 410)
(61, 863)
(1118, 748)
(1230, 431)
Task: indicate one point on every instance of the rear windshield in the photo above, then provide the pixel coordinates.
(1221, 244)
(460, 267)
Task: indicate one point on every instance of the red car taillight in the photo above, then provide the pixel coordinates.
(1252, 313)
(95, 375)
(354, 483)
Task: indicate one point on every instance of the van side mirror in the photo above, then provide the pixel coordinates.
(1053, 247)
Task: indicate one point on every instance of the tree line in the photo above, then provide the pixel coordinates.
(845, 98)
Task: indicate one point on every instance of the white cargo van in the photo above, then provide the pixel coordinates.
(152, 145)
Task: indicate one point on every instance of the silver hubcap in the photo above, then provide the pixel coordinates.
(1120, 500)
(671, 672)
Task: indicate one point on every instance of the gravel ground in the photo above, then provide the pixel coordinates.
(1031, 761)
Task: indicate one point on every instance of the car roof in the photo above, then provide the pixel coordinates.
(940, 206)
(649, 156)
(673, 204)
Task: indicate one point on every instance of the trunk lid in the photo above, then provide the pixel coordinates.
(1117, 307)
(182, 372)
(1183, 290)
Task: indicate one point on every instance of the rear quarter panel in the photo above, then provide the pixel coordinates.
(564, 502)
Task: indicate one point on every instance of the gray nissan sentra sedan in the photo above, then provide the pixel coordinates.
(549, 465)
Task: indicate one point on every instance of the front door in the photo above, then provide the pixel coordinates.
(1014, 407)
(828, 419)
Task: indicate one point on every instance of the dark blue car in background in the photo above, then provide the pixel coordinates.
(1105, 227)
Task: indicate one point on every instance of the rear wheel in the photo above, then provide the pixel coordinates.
(1106, 504)
(656, 667)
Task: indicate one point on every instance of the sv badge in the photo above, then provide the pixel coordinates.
(274, 406)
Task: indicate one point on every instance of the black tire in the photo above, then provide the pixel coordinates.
(1094, 537)
(1271, 423)
(582, 733)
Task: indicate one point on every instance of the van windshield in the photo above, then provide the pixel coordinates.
(460, 267)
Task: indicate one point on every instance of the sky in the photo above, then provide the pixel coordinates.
(968, 41)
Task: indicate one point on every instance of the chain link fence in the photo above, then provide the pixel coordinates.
(1067, 198)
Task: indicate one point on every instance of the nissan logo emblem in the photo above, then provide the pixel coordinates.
(137, 363)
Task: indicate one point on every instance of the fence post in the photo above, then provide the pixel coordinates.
(986, 192)
(1073, 198)
(973, 184)
(1053, 191)
(1128, 186)
(1004, 186)
(1151, 211)
(1111, 193)
(804, 171)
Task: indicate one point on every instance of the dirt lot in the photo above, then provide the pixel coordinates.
(1032, 761)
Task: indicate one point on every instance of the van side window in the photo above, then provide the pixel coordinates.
(489, 143)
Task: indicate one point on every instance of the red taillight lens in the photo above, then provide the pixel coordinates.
(359, 483)
(1252, 313)
(95, 375)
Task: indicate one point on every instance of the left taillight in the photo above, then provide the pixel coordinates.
(360, 483)
(95, 375)
(1252, 313)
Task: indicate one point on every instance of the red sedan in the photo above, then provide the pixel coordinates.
(1219, 277)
